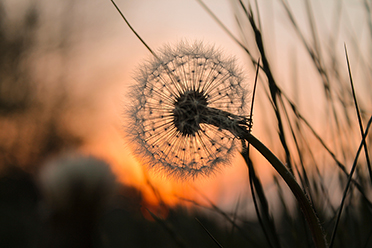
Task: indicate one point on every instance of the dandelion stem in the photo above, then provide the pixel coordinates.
(304, 203)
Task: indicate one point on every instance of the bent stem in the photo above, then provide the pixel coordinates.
(304, 203)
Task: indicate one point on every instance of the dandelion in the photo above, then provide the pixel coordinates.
(187, 103)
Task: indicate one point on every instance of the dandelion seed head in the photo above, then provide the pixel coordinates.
(176, 101)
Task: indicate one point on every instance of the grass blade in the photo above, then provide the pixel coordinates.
(254, 93)
(208, 232)
(134, 31)
(167, 227)
(308, 211)
(359, 116)
(265, 219)
(348, 184)
(227, 30)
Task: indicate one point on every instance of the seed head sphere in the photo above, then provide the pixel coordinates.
(182, 102)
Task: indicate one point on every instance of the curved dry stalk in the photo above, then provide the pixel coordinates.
(304, 203)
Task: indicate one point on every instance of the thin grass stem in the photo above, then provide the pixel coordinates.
(167, 227)
(134, 31)
(359, 116)
(255, 185)
(226, 30)
(224, 215)
(209, 233)
(339, 164)
(254, 92)
(348, 184)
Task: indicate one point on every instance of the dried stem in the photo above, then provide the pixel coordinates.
(303, 201)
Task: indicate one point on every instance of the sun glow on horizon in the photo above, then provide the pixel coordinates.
(223, 187)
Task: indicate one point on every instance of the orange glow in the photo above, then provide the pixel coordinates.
(222, 189)
(108, 144)
(93, 76)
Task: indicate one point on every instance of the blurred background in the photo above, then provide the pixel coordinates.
(64, 70)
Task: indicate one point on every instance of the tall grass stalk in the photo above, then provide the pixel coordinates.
(266, 221)
(354, 166)
(209, 234)
(362, 144)
(314, 49)
(359, 116)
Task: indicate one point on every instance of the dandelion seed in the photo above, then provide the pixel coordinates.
(186, 104)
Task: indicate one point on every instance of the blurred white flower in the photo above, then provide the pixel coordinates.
(76, 181)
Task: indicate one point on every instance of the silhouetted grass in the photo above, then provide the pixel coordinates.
(335, 176)
(291, 126)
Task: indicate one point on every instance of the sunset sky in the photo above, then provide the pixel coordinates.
(103, 55)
